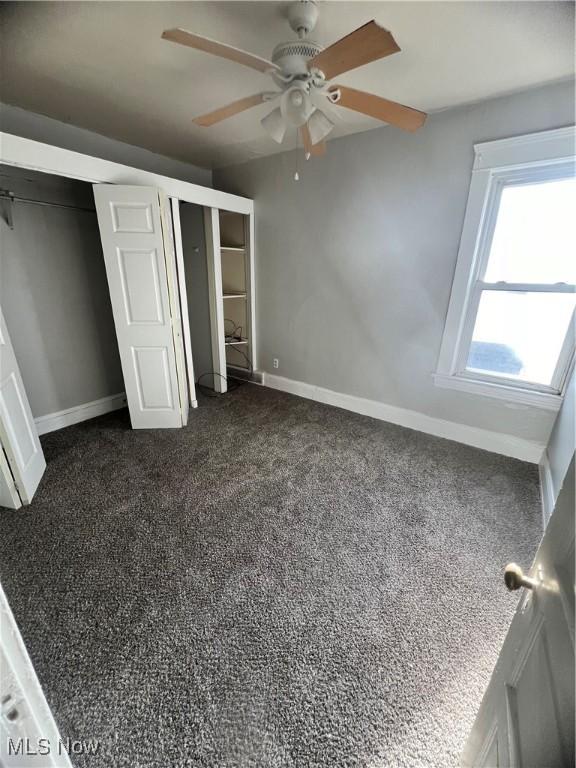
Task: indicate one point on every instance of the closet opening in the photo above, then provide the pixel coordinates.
(195, 261)
(55, 298)
(130, 297)
(218, 282)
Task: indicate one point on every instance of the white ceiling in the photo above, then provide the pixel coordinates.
(103, 66)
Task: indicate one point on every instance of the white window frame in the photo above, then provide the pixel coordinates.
(536, 157)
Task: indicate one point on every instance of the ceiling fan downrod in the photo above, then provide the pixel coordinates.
(302, 17)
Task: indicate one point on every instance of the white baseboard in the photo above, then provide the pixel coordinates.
(546, 488)
(53, 421)
(507, 445)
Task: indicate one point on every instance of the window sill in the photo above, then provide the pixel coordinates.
(516, 395)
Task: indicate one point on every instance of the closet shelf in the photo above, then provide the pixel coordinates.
(234, 295)
(233, 248)
(235, 342)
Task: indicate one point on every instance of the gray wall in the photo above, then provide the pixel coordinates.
(54, 295)
(562, 442)
(196, 273)
(40, 128)
(355, 262)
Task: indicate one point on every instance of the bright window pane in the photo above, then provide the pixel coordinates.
(520, 335)
(535, 236)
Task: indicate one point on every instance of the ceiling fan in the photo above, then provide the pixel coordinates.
(302, 70)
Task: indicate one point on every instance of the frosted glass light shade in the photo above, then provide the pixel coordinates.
(274, 125)
(319, 126)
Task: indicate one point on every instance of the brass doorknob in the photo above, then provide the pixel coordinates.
(514, 578)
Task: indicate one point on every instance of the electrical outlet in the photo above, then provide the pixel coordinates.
(275, 362)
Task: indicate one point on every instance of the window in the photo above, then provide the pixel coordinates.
(510, 326)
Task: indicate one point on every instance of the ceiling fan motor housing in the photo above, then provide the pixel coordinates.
(292, 57)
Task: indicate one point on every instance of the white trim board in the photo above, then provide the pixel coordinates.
(548, 401)
(78, 413)
(547, 493)
(36, 156)
(542, 146)
(496, 442)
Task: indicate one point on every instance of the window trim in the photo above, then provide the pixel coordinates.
(534, 157)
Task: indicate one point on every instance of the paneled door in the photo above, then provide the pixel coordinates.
(526, 719)
(29, 736)
(135, 257)
(9, 496)
(175, 302)
(25, 461)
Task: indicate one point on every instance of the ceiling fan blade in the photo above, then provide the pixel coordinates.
(230, 110)
(362, 46)
(207, 45)
(375, 106)
(312, 149)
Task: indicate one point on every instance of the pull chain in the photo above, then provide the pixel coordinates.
(296, 174)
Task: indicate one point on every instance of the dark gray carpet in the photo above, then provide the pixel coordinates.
(281, 584)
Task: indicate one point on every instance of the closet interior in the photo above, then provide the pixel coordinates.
(54, 294)
(195, 261)
(218, 279)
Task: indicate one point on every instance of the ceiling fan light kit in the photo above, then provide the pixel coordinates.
(301, 69)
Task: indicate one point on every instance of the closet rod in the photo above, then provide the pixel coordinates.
(16, 199)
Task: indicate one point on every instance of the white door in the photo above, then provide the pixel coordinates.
(9, 496)
(29, 736)
(18, 432)
(526, 718)
(134, 254)
(175, 304)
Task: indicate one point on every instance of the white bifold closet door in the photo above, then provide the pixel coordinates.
(135, 228)
(22, 462)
